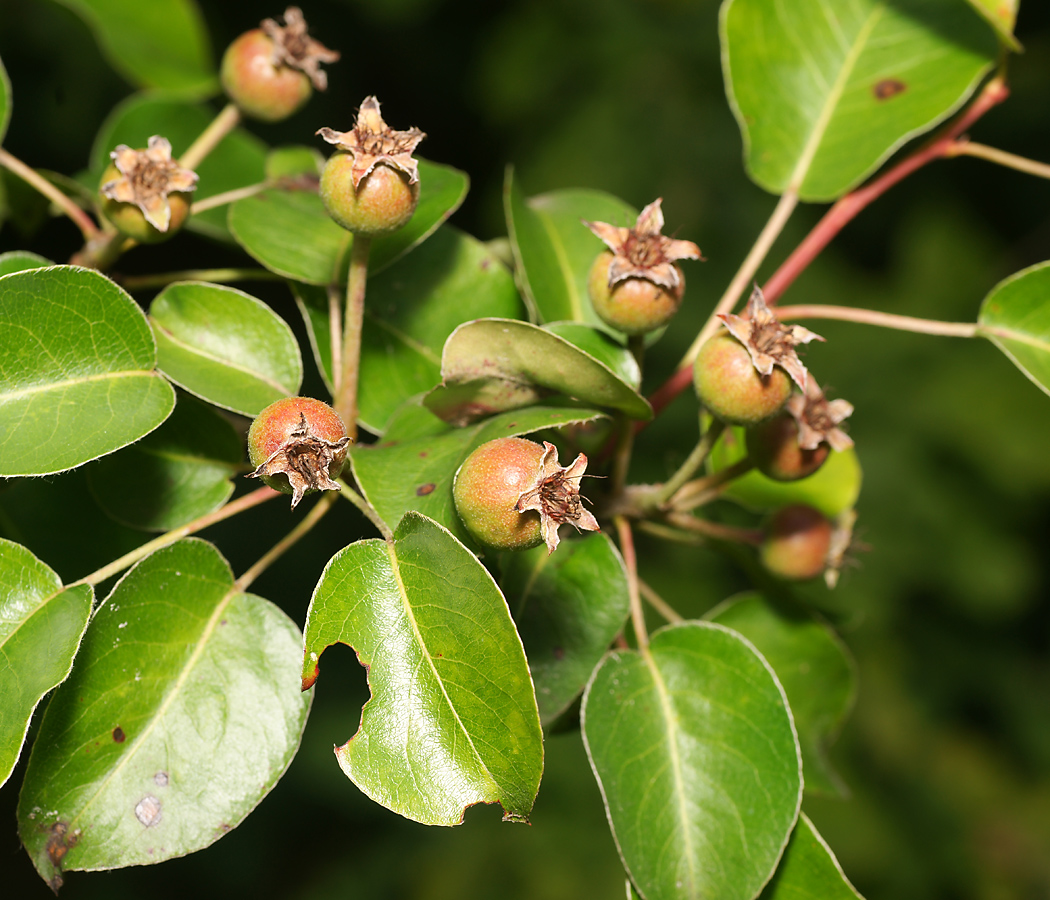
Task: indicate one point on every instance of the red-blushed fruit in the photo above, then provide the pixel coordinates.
(489, 484)
(258, 87)
(633, 305)
(383, 201)
(774, 449)
(730, 387)
(297, 445)
(129, 220)
(797, 542)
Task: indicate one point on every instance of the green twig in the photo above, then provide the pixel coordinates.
(211, 137)
(693, 462)
(964, 147)
(216, 276)
(284, 544)
(703, 490)
(35, 180)
(216, 200)
(366, 508)
(623, 529)
(659, 604)
(346, 400)
(129, 559)
(883, 320)
(716, 530)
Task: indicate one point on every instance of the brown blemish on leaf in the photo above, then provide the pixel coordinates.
(425, 489)
(118, 735)
(559, 653)
(60, 841)
(888, 87)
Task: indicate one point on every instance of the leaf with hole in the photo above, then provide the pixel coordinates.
(452, 719)
(813, 665)
(238, 161)
(289, 232)
(825, 92)
(225, 346)
(41, 624)
(410, 310)
(554, 250)
(493, 365)
(413, 466)
(808, 869)
(175, 474)
(181, 714)
(569, 606)
(77, 375)
(161, 44)
(1015, 317)
(696, 755)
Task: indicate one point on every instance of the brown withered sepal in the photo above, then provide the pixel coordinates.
(555, 495)
(304, 459)
(372, 141)
(295, 49)
(147, 178)
(818, 418)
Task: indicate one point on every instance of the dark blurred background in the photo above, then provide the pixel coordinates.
(947, 753)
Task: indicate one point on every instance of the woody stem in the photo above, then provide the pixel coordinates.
(874, 317)
(346, 400)
(37, 181)
(287, 542)
(623, 530)
(211, 137)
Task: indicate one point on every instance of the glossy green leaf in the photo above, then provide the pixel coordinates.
(410, 310)
(825, 90)
(1002, 16)
(809, 870)
(832, 489)
(452, 719)
(182, 712)
(603, 347)
(814, 667)
(554, 250)
(76, 370)
(238, 161)
(225, 346)
(175, 474)
(569, 606)
(289, 232)
(492, 365)
(413, 466)
(160, 44)
(21, 260)
(41, 624)
(1015, 317)
(5, 101)
(293, 161)
(695, 752)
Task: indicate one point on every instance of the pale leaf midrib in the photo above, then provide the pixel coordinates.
(9, 396)
(820, 126)
(563, 264)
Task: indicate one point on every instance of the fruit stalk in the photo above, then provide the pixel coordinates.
(346, 400)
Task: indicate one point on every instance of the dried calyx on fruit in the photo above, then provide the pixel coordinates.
(270, 71)
(145, 193)
(298, 445)
(795, 443)
(512, 494)
(370, 185)
(635, 285)
(768, 341)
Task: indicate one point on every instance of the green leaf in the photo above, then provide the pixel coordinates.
(413, 466)
(293, 161)
(41, 625)
(21, 260)
(452, 720)
(410, 310)
(289, 232)
(832, 489)
(554, 250)
(1015, 317)
(809, 870)
(824, 92)
(5, 101)
(813, 665)
(182, 712)
(76, 371)
(695, 752)
(177, 473)
(1002, 15)
(225, 346)
(492, 365)
(239, 159)
(569, 606)
(161, 44)
(603, 347)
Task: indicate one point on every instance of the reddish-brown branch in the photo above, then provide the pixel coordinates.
(844, 211)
